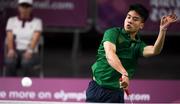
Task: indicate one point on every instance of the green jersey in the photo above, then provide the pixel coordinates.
(127, 50)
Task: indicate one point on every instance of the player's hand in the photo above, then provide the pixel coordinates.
(167, 20)
(11, 54)
(125, 82)
(27, 55)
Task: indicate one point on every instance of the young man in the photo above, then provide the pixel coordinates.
(23, 34)
(118, 54)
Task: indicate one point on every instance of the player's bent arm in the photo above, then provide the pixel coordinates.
(156, 49)
(112, 58)
(10, 39)
(35, 39)
(152, 50)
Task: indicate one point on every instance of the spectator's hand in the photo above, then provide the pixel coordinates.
(27, 55)
(125, 82)
(167, 20)
(11, 54)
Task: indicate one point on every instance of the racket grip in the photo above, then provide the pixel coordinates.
(127, 92)
(120, 79)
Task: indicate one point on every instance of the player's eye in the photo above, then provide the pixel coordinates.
(136, 19)
(128, 17)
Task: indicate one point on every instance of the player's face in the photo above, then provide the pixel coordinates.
(133, 22)
(25, 9)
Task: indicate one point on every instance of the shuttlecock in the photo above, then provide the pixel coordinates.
(26, 82)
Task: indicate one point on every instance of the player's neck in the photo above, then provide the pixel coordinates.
(25, 16)
(133, 35)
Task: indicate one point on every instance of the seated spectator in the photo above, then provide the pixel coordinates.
(23, 33)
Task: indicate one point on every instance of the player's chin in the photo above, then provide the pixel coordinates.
(129, 30)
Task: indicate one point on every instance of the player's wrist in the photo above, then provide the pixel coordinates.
(30, 50)
(124, 74)
(163, 28)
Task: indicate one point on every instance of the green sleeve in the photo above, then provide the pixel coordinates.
(141, 49)
(111, 35)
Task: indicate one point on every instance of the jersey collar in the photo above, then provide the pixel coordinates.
(24, 20)
(127, 35)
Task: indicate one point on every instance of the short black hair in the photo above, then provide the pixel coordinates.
(141, 10)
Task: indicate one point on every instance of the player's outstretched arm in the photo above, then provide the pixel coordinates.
(155, 49)
(114, 61)
(112, 58)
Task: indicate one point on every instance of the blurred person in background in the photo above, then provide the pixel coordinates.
(118, 54)
(22, 37)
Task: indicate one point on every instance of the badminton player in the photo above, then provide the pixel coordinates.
(118, 54)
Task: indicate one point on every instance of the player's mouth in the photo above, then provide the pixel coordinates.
(128, 26)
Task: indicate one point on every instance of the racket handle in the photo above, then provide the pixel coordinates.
(120, 79)
(127, 92)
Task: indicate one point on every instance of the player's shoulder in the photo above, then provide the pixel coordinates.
(36, 19)
(13, 18)
(113, 30)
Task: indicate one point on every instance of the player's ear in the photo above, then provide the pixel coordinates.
(141, 25)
